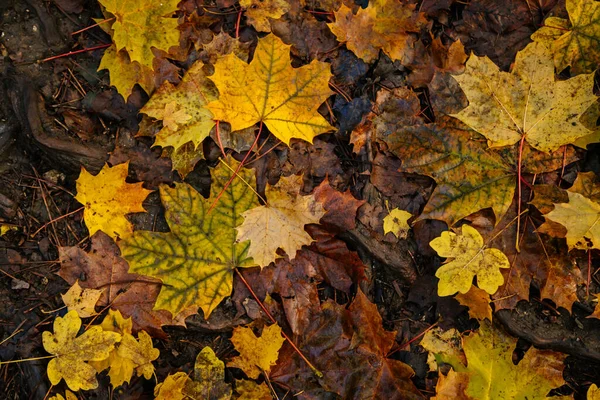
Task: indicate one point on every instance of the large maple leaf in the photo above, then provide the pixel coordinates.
(575, 42)
(384, 24)
(269, 90)
(526, 103)
(72, 352)
(141, 25)
(195, 261)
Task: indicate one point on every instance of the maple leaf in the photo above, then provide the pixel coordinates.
(397, 223)
(73, 351)
(249, 390)
(470, 258)
(107, 198)
(141, 25)
(131, 294)
(68, 394)
(269, 90)
(195, 261)
(259, 12)
(182, 109)
(580, 216)
(526, 103)
(257, 354)
(124, 74)
(280, 223)
(478, 301)
(341, 207)
(351, 346)
(129, 355)
(208, 381)
(384, 24)
(491, 373)
(593, 392)
(574, 42)
(81, 300)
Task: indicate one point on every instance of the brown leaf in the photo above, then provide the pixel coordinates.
(478, 301)
(341, 207)
(134, 295)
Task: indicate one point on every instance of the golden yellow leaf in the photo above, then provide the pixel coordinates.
(257, 354)
(250, 390)
(141, 25)
(478, 301)
(182, 109)
(172, 387)
(259, 12)
(528, 102)
(593, 392)
(580, 216)
(124, 74)
(128, 355)
(69, 396)
(575, 42)
(195, 261)
(397, 223)
(83, 301)
(270, 91)
(470, 258)
(107, 198)
(280, 223)
(72, 352)
(385, 25)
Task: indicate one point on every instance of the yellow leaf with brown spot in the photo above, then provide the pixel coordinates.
(397, 223)
(74, 352)
(469, 258)
(280, 223)
(385, 24)
(83, 301)
(107, 198)
(259, 12)
(271, 91)
(529, 102)
(257, 354)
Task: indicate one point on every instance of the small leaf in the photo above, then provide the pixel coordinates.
(259, 12)
(478, 301)
(257, 354)
(249, 390)
(209, 378)
(397, 223)
(81, 300)
(580, 216)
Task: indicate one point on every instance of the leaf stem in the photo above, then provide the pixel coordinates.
(519, 183)
(26, 359)
(318, 373)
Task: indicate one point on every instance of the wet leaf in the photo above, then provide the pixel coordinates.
(107, 198)
(257, 354)
(270, 91)
(81, 300)
(528, 102)
(470, 258)
(195, 261)
(72, 352)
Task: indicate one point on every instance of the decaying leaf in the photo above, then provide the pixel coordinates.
(444, 347)
(280, 223)
(73, 352)
(259, 12)
(249, 390)
(396, 222)
(270, 91)
(195, 261)
(527, 103)
(491, 373)
(141, 25)
(470, 258)
(478, 301)
(574, 42)
(257, 354)
(384, 24)
(340, 207)
(129, 355)
(107, 198)
(81, 300)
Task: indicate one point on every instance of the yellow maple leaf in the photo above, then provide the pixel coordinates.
(83, 301)
(182, 109)
(172, 387)
(470, 258)
(195, 261)
(384, 24)
(257, 354)
(129, 355)
(593, 392)
(280, 223)
(580, 216)
(491, 374)
(527, 102)
(141, 25)
(397, 223)
(124, 74)
(249, 390)
(259, 12)
(574, 42)
(107, 198)
(68, 394)
(72, 352)
(269, 90)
